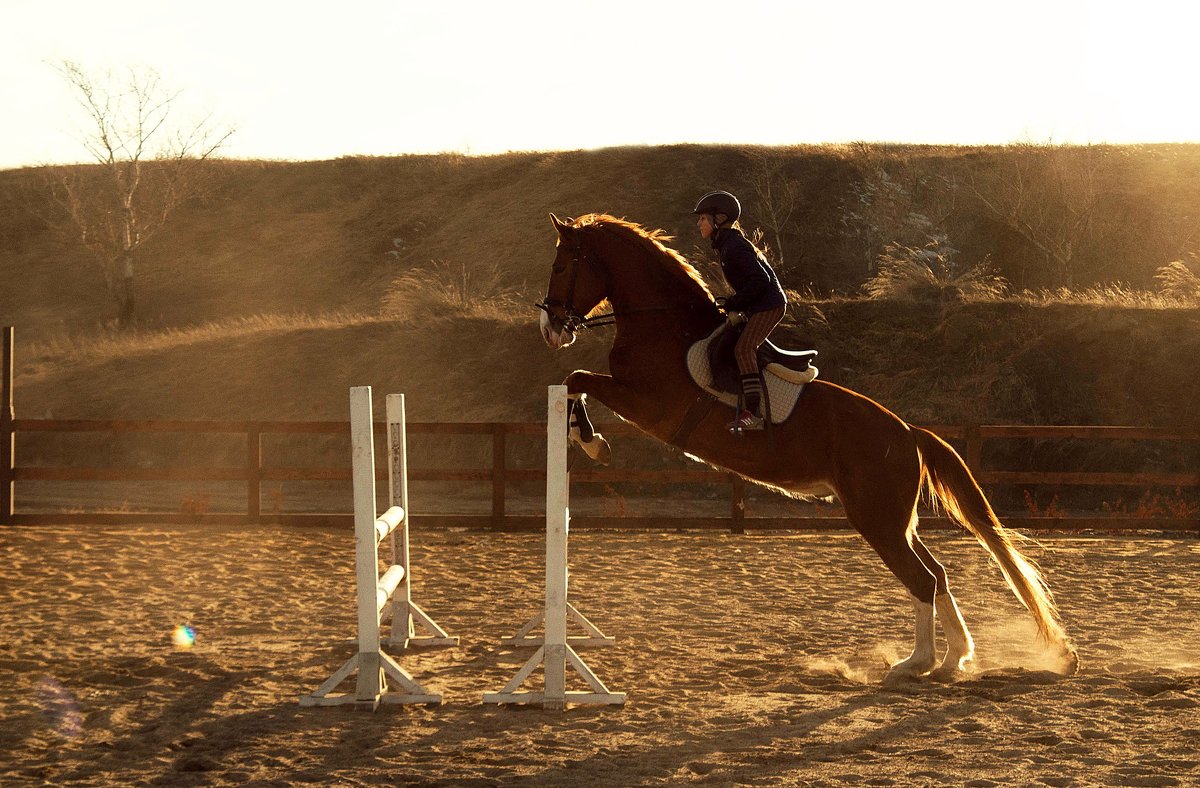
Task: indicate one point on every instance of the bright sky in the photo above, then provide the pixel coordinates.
(308, 80)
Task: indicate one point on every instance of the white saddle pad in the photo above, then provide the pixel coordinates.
(783, 385)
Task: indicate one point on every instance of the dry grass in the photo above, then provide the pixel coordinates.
(114, 343)
(906, 273)
(444, 288)
(1179, 279)
(1154, 504)
(930, 274)
(1112, 295)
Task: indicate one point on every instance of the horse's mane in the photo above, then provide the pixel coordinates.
(651, 240)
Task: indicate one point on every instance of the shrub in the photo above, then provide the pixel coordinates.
(907, 273)
(445, 287)
(1179, 280)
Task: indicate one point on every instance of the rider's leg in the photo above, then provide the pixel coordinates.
(758, 327)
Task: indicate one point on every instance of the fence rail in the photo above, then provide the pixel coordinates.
(500, 475)
(253, 473)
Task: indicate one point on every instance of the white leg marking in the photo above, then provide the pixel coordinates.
(923, 656)
(597, 449)
(960, 648)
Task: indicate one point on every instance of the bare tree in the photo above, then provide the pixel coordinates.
(898, 200)
(1048, 195)
(777, 197)
(149, 163)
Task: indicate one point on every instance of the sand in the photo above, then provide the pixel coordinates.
(746, 659)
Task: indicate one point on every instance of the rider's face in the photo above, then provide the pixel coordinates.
(704, 223)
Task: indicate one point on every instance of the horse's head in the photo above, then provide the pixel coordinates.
(577, 285)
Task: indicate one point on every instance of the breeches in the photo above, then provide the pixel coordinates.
(758, 326)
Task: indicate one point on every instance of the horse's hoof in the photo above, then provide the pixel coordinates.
(948, 674)
(597, 449)
(900, 678)
(1070, 661)
(905, 671)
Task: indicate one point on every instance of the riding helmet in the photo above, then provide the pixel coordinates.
(720, 202)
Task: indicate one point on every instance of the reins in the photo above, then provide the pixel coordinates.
(576, 322)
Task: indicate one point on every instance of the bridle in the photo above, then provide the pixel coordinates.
(573, 321)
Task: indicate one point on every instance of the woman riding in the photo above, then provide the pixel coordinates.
(758, 299)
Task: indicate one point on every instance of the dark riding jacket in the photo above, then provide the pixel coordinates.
(756, 288)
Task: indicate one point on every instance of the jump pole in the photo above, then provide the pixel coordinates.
(555, 652)
(406, 614)
(376, 593)
(8, 445)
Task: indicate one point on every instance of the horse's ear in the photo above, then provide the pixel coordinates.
(563, 227)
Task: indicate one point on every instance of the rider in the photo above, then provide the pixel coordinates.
(758, 299)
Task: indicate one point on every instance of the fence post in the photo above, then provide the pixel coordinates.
(8, 443)
(737, 504)
(974, 456)
(254, 472)
(499, 468)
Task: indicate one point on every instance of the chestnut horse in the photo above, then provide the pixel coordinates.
(836, 443)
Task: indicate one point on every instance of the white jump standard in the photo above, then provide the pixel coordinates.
(555, 651)
(391, 592)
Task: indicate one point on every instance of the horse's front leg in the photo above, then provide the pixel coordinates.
(619, 397)
(604, 388)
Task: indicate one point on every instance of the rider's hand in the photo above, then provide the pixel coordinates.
(735, 318)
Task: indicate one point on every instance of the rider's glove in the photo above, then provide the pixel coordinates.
(735, 318)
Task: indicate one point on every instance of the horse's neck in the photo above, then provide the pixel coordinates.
(652, 305)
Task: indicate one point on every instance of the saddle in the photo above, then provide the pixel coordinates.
(790, 365)
(713, 367)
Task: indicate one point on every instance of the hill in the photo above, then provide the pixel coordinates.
(292, 281)
(999, 363)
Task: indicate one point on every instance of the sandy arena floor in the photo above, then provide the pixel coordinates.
(747, 660)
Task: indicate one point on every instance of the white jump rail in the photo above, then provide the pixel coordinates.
(392, 592)
(555, 651)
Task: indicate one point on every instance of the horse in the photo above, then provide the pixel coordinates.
(836, 443)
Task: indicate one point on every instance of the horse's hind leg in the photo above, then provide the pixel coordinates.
(888, 532)
(960, 648)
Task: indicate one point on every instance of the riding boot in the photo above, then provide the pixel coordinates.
(748, 417)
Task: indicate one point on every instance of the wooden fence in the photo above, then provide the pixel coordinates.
(253, 473)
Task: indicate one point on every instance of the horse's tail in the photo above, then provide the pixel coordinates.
(950, 482)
